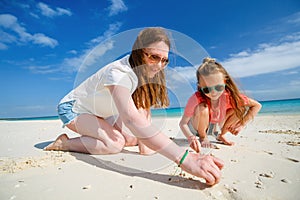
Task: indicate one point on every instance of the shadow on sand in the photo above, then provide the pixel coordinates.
(112, 166)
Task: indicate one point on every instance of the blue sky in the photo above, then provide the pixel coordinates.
(44, 43)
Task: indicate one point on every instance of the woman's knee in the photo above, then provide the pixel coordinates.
(111, 147)
(116, 145)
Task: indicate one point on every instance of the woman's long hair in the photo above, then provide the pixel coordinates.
(150, 91)
(210, 66)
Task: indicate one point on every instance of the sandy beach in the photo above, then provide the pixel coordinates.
(263, 164)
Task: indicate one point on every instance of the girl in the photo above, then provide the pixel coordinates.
(120, 95)
(217, 101)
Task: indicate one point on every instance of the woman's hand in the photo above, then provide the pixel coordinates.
(204, 166)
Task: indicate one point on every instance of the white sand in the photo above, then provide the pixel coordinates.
(263, 164)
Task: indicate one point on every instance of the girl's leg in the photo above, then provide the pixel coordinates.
(98, 137)
(230, 119)
(200, 122)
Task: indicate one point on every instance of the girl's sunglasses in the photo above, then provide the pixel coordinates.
(156, 59)
(217, 88)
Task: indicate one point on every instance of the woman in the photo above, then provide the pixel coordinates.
(121, 94)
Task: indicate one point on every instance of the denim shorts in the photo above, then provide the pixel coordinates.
(65, 112)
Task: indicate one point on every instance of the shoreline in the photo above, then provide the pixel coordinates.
(53, 118)
(263, 164)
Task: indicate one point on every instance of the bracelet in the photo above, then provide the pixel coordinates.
(183, 157)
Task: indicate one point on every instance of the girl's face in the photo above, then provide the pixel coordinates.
(156, 57)
(212, 85)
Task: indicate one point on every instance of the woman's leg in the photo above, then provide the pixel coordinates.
(130, 139)
(143, 149)
(98, 137)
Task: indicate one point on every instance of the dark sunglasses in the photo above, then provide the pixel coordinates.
(156, 59)
(217, 88)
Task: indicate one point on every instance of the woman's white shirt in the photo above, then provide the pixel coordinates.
(92, 95)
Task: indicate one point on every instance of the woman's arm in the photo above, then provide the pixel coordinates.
(207, 167)
(141, 127)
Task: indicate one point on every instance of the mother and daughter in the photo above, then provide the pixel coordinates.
(118, 98)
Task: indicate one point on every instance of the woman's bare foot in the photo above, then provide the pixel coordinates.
(224, 140)
(130, 140)
(58, 144)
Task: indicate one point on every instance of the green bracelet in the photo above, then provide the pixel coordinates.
(183, 157)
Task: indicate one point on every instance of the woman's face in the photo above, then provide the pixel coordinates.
(156, 57)
(212, 85)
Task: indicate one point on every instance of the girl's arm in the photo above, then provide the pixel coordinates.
(207, 167)
(193, 140)
(184, 126)
(254, 108)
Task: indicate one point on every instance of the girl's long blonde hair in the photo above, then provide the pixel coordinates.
(150, 91)
(210, 66)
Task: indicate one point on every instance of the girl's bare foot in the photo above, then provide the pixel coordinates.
(224, 140)
(207, 144)
(58, 144)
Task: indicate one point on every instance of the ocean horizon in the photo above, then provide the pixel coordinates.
(270, 107)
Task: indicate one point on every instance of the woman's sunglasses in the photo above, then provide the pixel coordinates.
(217, 88)
(156, 59)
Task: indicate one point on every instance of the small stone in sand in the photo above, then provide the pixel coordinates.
(292, 159)
(267, 175)
(286, 180)
(86, 187)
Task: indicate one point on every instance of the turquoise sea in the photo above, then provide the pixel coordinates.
(275, 107)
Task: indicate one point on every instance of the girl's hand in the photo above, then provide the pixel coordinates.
(194, 143)
(204, 166)
(235, 129)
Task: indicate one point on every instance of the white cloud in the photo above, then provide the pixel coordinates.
(74, 52)
(42, 69)
(6, 38)
(15, 33)
(290, 91)
(80, 62)
(294, 19)
(43, 40)
(112, 29)
(49, 12)
(117, 6)
(3, 46)
(266, 58)
(91, 54)
(179, 74)
(11, 22)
